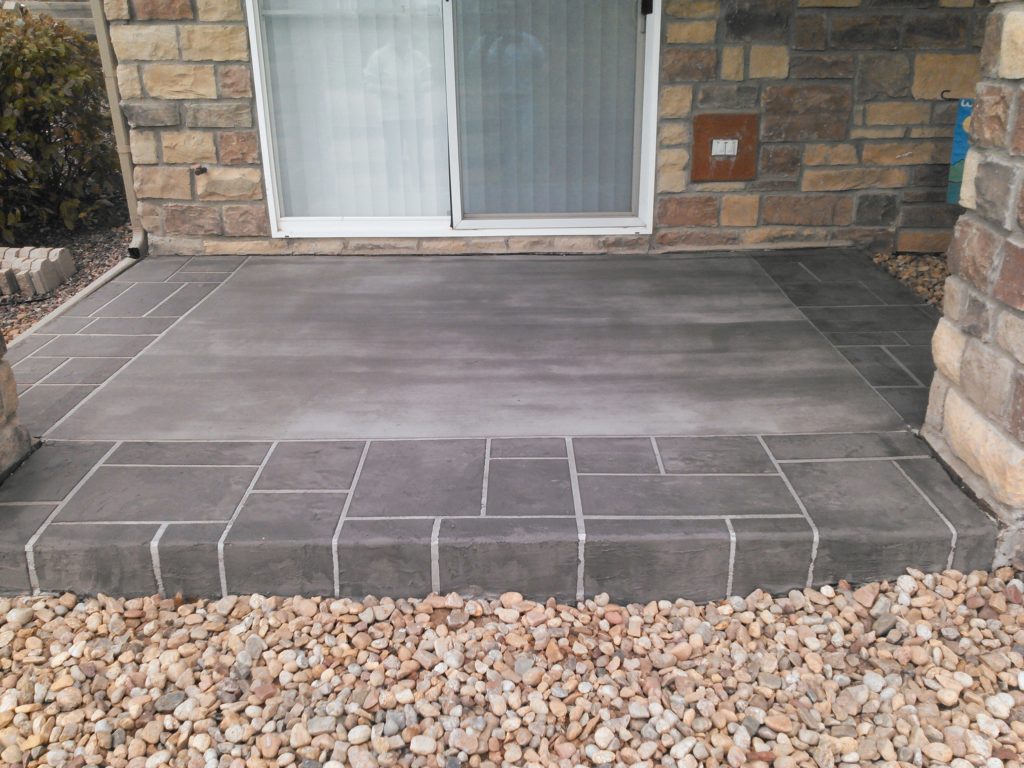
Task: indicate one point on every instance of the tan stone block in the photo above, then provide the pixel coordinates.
(219, 10)
(898, 113)
(838, 179)
(116, 10)
(930, 132)
(692, 9)
(180, 81)
(224, 114)
(676, 100)
(176, 245)
(936, 403)
(215, 42)
(129, 84)
(948, 345)
(149, 213)
(554, 244)
(144, 42)
(740, 210)
(162, 10)
(8, 392)
(956, 3)
(144, 147)
(830, 154)
(464, 245)
(163, 183)
(236, 246)
(1011, 51)
(319, 246)
(987, 450)
(230, 183)
(672, 133)
(966, 310)
(906, 153)
(768, 61)
(957, 73)
(246, 220)
(732, 62)
(672, 165)
(1010, 334)
(188, 147)
(691, 31)
(968, 191)
(234, 81)
(923, 240)
(370, 245)
(192, 219)
(15, 444)
(874, 132)
(238, 147)
(986, 377)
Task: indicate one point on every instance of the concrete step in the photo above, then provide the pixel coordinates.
(483, 517)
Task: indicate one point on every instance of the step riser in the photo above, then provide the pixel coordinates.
(698, 566)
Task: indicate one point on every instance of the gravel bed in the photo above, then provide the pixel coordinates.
(95, 251)
(924, 671)
(924, 274)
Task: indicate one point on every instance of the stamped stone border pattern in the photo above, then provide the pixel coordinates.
(879, 325)
(701, 517)
(65, 361)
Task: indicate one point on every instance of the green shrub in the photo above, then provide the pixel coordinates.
(58, 163)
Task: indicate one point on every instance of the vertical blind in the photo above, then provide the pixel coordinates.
(546, 93)
(357, 106)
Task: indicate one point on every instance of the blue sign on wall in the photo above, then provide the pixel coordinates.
(961, 143)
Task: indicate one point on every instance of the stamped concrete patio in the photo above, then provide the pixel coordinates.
(646, 426)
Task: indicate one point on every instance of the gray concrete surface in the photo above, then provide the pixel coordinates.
(650, 427)
(434, 347)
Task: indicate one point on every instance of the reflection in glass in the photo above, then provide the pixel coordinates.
(546, 95)
(357, 103)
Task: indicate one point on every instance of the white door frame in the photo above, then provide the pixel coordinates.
(457, 226)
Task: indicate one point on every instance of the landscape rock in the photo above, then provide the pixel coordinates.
(796, 681)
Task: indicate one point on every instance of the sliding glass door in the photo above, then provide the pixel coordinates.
(546, 110)
(440, 117)
(356, 92)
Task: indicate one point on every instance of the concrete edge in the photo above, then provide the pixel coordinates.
(1010, 533)
(33, 445)
(121, 266)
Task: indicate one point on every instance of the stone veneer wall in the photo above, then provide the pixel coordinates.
(976, 415)
(855, 136)
(15, 442)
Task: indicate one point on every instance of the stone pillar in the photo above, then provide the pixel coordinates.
(15, 442)
(976, 415)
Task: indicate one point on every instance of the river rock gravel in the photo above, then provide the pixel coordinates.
(926, 670)
(924, 273)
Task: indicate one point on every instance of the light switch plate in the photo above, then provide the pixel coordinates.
(725, 147)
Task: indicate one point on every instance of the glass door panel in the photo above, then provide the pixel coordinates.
(546, 99)
(357, 108)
